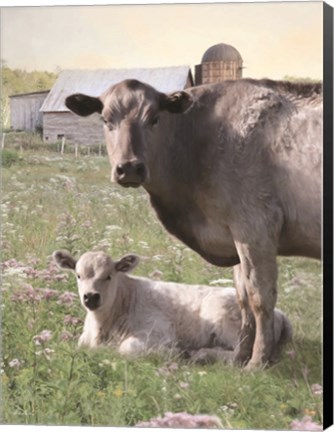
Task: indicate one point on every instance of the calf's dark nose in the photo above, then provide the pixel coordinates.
(92, 300)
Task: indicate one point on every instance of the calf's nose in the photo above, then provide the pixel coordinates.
(92, 300)
(130, 173)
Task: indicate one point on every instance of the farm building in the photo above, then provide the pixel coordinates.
(220, 62)
(59, 122)
(46, 110)
(25, 111)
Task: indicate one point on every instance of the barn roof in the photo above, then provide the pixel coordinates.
(20, 95)
(95, 82)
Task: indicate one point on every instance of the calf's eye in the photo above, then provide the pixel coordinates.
(108, 277)
(78, 276)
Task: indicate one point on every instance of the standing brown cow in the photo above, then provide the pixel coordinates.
(233, 170)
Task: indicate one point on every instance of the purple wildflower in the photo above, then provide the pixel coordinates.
(26, 293)
(47, 293)
(15, 363)
(305, 423)
(183, 420)
(43, 337)
(70, 320)
(47, 352)
(317, 389)
(65, 336)
(67, 298)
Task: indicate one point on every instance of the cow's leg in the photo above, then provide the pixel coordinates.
(243, 350)
(259, 268)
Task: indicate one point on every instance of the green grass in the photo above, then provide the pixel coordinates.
(51, 202)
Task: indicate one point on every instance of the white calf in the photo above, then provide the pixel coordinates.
(138, 315)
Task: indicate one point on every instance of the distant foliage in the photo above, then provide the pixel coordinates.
(16, 81)
(299, 79)
(9, 158)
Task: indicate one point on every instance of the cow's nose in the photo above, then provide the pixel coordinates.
(130, 173)
(92, 300)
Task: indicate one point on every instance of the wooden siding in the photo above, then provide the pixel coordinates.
(75, 129)
(25, 111)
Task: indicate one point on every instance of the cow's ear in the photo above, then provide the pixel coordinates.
(83, 105)
(176, 103)
(64, 260)
(127, 263)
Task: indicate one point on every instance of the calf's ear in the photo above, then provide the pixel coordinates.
(64, 260)
(127, 263)
(83, 105)
(176, 103)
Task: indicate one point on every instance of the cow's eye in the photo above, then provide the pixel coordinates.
(78, 276)
(108, 277)
(107, 123)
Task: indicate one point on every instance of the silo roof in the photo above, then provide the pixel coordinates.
(221, 52)
(95, 82)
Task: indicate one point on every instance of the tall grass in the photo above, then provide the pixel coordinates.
(51, 202)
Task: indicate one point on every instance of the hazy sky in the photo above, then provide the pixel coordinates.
(274, 39)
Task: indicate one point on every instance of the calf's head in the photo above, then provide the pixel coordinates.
(97, 276)
(130, 111)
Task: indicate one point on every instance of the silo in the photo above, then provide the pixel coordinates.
(220, 62)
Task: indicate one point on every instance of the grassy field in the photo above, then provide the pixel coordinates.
(51, 202)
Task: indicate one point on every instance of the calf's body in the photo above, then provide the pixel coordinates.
(138, 315)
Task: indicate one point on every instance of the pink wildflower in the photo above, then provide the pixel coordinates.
(65, 336)
(305, 423)
(317, 389)
(26, 293)
(67, 298)
(15, 363)
(183, 420)
(47, 352)
(43, 337)
(70, 320)
(47, 293)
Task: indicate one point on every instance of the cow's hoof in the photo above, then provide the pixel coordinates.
(255, 365)
(241, 359)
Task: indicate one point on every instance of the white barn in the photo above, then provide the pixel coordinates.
(25, 112)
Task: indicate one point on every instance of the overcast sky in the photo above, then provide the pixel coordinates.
(274, 39)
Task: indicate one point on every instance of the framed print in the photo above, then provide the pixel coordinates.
(167, 215)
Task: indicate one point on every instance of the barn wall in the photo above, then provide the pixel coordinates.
(24, 112)
(75, 129)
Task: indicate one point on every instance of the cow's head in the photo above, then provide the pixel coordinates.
(130, 111)
(97, 276)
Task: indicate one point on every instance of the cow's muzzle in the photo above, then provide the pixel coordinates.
(130, 174)
(92, 300)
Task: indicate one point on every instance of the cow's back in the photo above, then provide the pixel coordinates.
(243, 146)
